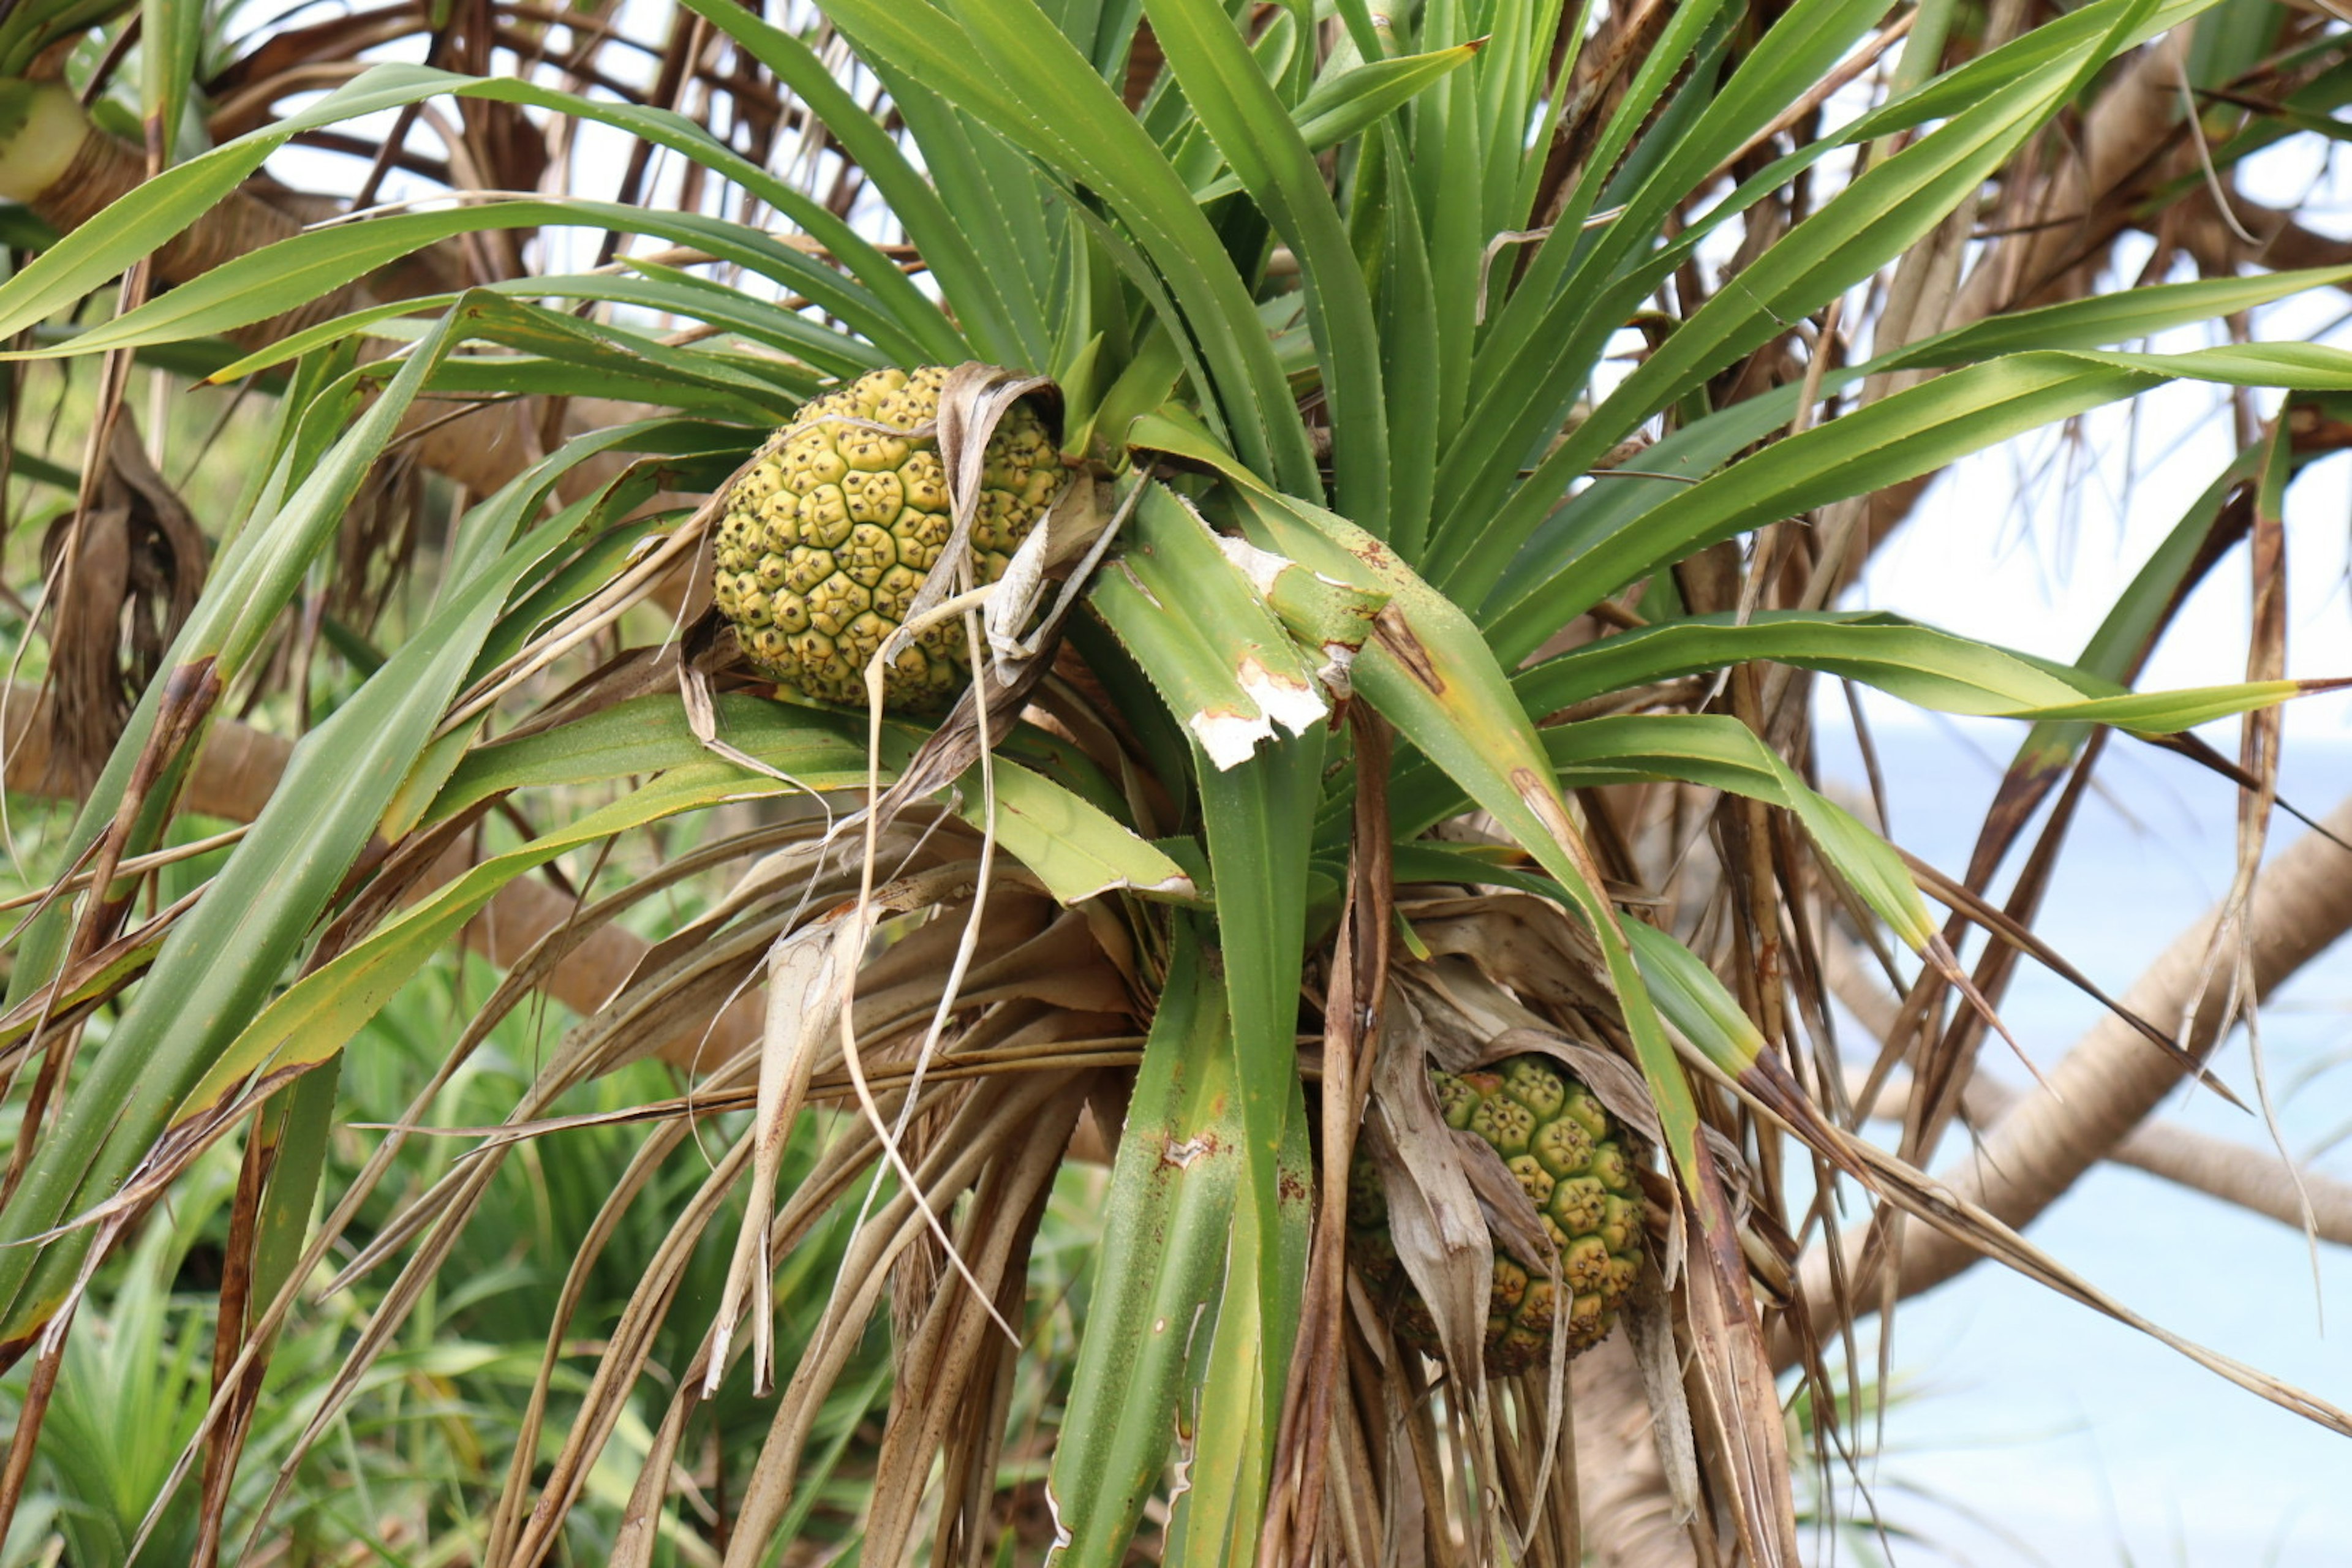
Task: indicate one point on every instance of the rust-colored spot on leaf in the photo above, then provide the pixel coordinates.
(1537, 792)
(1181, 1155)
(1398, 637)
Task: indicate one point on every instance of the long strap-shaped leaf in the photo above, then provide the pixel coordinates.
(1927, 667)
(1721, 752)
(1345, 104)
(1260, 821)
(1900, 437)
(1447, 166)
(262, 283)
(1168, 1223)
(1073, 846)
(1692, 35)
(1266, 152)
(2116, 651)
(1409, 336)
(817, 352)
(1924, 667)
(1237, 1403)
(169, 203)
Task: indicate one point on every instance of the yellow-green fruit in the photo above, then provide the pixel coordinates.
(1573, 1161)
(824, 541)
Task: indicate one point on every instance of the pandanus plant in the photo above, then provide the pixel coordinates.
(1337, 734)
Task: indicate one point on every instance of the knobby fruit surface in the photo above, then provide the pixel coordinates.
(825, 540)
(1573, 1161)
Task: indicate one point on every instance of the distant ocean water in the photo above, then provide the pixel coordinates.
(2030, 1429)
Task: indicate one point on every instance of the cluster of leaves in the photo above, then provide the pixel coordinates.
(402, 1463)
(1410, 650)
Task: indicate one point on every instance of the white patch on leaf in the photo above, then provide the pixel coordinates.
(1229, 738)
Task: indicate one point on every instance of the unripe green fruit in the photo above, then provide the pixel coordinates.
(825, 540)
(1573, 1161)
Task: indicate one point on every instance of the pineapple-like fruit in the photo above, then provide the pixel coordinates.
(827, 537)
(1573, 1161)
